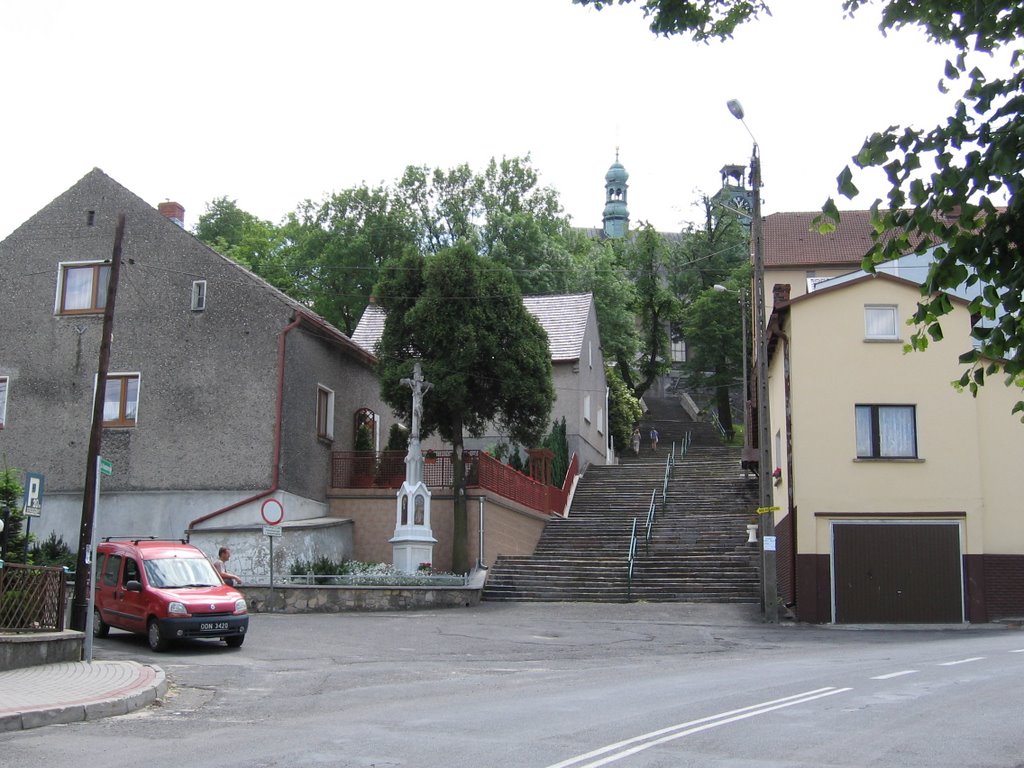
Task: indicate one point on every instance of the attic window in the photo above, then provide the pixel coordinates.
(198, 295)
(90, 218)
(880, 322)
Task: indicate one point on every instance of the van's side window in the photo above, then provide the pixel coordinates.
(111, 567)
(131, 571)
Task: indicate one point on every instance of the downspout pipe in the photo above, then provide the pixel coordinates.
(275, 472)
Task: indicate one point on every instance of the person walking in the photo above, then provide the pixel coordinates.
(636, 441)
(654, 439)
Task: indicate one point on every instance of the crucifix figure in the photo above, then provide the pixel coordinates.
(419, 388)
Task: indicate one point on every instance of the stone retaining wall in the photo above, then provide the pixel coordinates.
(30, 649)
(330, 599)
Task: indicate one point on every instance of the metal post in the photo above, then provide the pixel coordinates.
(769, 587)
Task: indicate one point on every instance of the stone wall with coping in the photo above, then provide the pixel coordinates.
(330, 599)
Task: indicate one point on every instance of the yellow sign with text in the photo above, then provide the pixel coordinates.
(766, 510)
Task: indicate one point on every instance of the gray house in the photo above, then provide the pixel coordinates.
(581, 389)
(224, 395)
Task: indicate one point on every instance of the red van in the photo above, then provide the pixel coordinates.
(165, 590)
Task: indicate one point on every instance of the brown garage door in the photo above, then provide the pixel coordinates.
(897, 572)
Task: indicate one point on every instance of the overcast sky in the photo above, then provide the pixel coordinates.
(271, 102)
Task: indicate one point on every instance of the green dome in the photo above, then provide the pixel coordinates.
(616, 174)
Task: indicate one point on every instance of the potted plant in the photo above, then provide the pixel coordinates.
(429, 457)
(777, 475)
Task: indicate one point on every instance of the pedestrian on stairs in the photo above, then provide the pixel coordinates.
(654, 439)
(636, 441)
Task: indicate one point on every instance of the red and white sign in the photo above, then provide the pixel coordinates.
(272, 512)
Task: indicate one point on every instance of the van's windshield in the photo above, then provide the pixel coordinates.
(181, 572)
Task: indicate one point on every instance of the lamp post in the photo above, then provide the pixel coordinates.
(769, 586)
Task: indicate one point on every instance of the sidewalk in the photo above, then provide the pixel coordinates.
(73, 691)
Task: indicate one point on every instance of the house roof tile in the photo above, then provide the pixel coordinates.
(789, 241)
(563, 317)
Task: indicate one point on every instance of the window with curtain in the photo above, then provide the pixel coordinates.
(886, 432)
(83, 288)
(121, 400)
(881, 322)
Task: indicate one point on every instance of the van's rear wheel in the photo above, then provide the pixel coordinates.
(100, 628)
(157, 641)
(235, 641)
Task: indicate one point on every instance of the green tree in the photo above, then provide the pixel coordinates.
(645, 258)
(708, 254)
(712, 325)
(975, 159)
(255, 244)
(624, 409)
(336, 247)
(462, 316)
(13, 537)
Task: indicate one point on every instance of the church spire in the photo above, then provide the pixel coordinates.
(616, 214)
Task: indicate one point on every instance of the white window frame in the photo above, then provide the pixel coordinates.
(198, 295)
(5, 385)
(869, 427)
(122, 421)
(892, 311)
(586, 408)
(600, 421)
(99, 293)
(324, 427)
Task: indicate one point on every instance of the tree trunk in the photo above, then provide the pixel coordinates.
(725, 410)
(460, 521)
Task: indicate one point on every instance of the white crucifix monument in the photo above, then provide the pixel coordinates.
(413, 542)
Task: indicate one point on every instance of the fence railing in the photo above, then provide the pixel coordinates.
(31, 598)
(652, 512)
(367, 469)
(632, 560)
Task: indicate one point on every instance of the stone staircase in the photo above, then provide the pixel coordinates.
(697, 550)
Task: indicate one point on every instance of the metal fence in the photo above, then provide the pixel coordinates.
(31, 598)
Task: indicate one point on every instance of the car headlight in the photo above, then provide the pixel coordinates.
(177, 609)
(240, 606)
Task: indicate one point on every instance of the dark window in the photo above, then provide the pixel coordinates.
(886, 432)
(111, 567)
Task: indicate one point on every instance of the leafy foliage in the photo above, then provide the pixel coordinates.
(462, 316)
(557, 442)
(947, 183)
(13, 536)
(624, 409)
(53, 551)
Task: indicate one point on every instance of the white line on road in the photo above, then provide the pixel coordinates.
(961, 661)
(693, 726)
(891, 675)
(1019, 650)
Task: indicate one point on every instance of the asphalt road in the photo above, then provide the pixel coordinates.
(563, 686)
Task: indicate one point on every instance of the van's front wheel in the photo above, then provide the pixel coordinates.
(157, 641)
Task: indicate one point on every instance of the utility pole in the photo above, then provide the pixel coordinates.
(80, 602)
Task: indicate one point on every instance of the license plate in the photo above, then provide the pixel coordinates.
(213, 626)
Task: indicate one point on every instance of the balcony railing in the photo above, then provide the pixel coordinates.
(365, 469)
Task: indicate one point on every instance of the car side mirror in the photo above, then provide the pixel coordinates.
(133, 586)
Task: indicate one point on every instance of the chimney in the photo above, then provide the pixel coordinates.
(780, 295)
(173, 211)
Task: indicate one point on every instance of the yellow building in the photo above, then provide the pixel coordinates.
(901, 499)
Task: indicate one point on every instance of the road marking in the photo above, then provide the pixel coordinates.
(961, 661)
(1019, 650)
(891, 675)
(654, 738)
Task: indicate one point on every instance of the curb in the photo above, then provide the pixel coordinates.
(146, 685)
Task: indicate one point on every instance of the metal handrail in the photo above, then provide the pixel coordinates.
(652, 511)
(632, 560)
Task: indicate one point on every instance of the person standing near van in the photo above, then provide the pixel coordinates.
(223, 555)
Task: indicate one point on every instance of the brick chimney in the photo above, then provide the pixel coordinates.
(173, 211)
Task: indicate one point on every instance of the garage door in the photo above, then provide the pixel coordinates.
(897, 572)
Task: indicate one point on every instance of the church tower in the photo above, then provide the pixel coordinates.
(616, 214)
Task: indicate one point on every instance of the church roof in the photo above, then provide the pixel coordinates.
(563, 317)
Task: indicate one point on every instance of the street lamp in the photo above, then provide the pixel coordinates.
(769, 586)
(746, 386)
